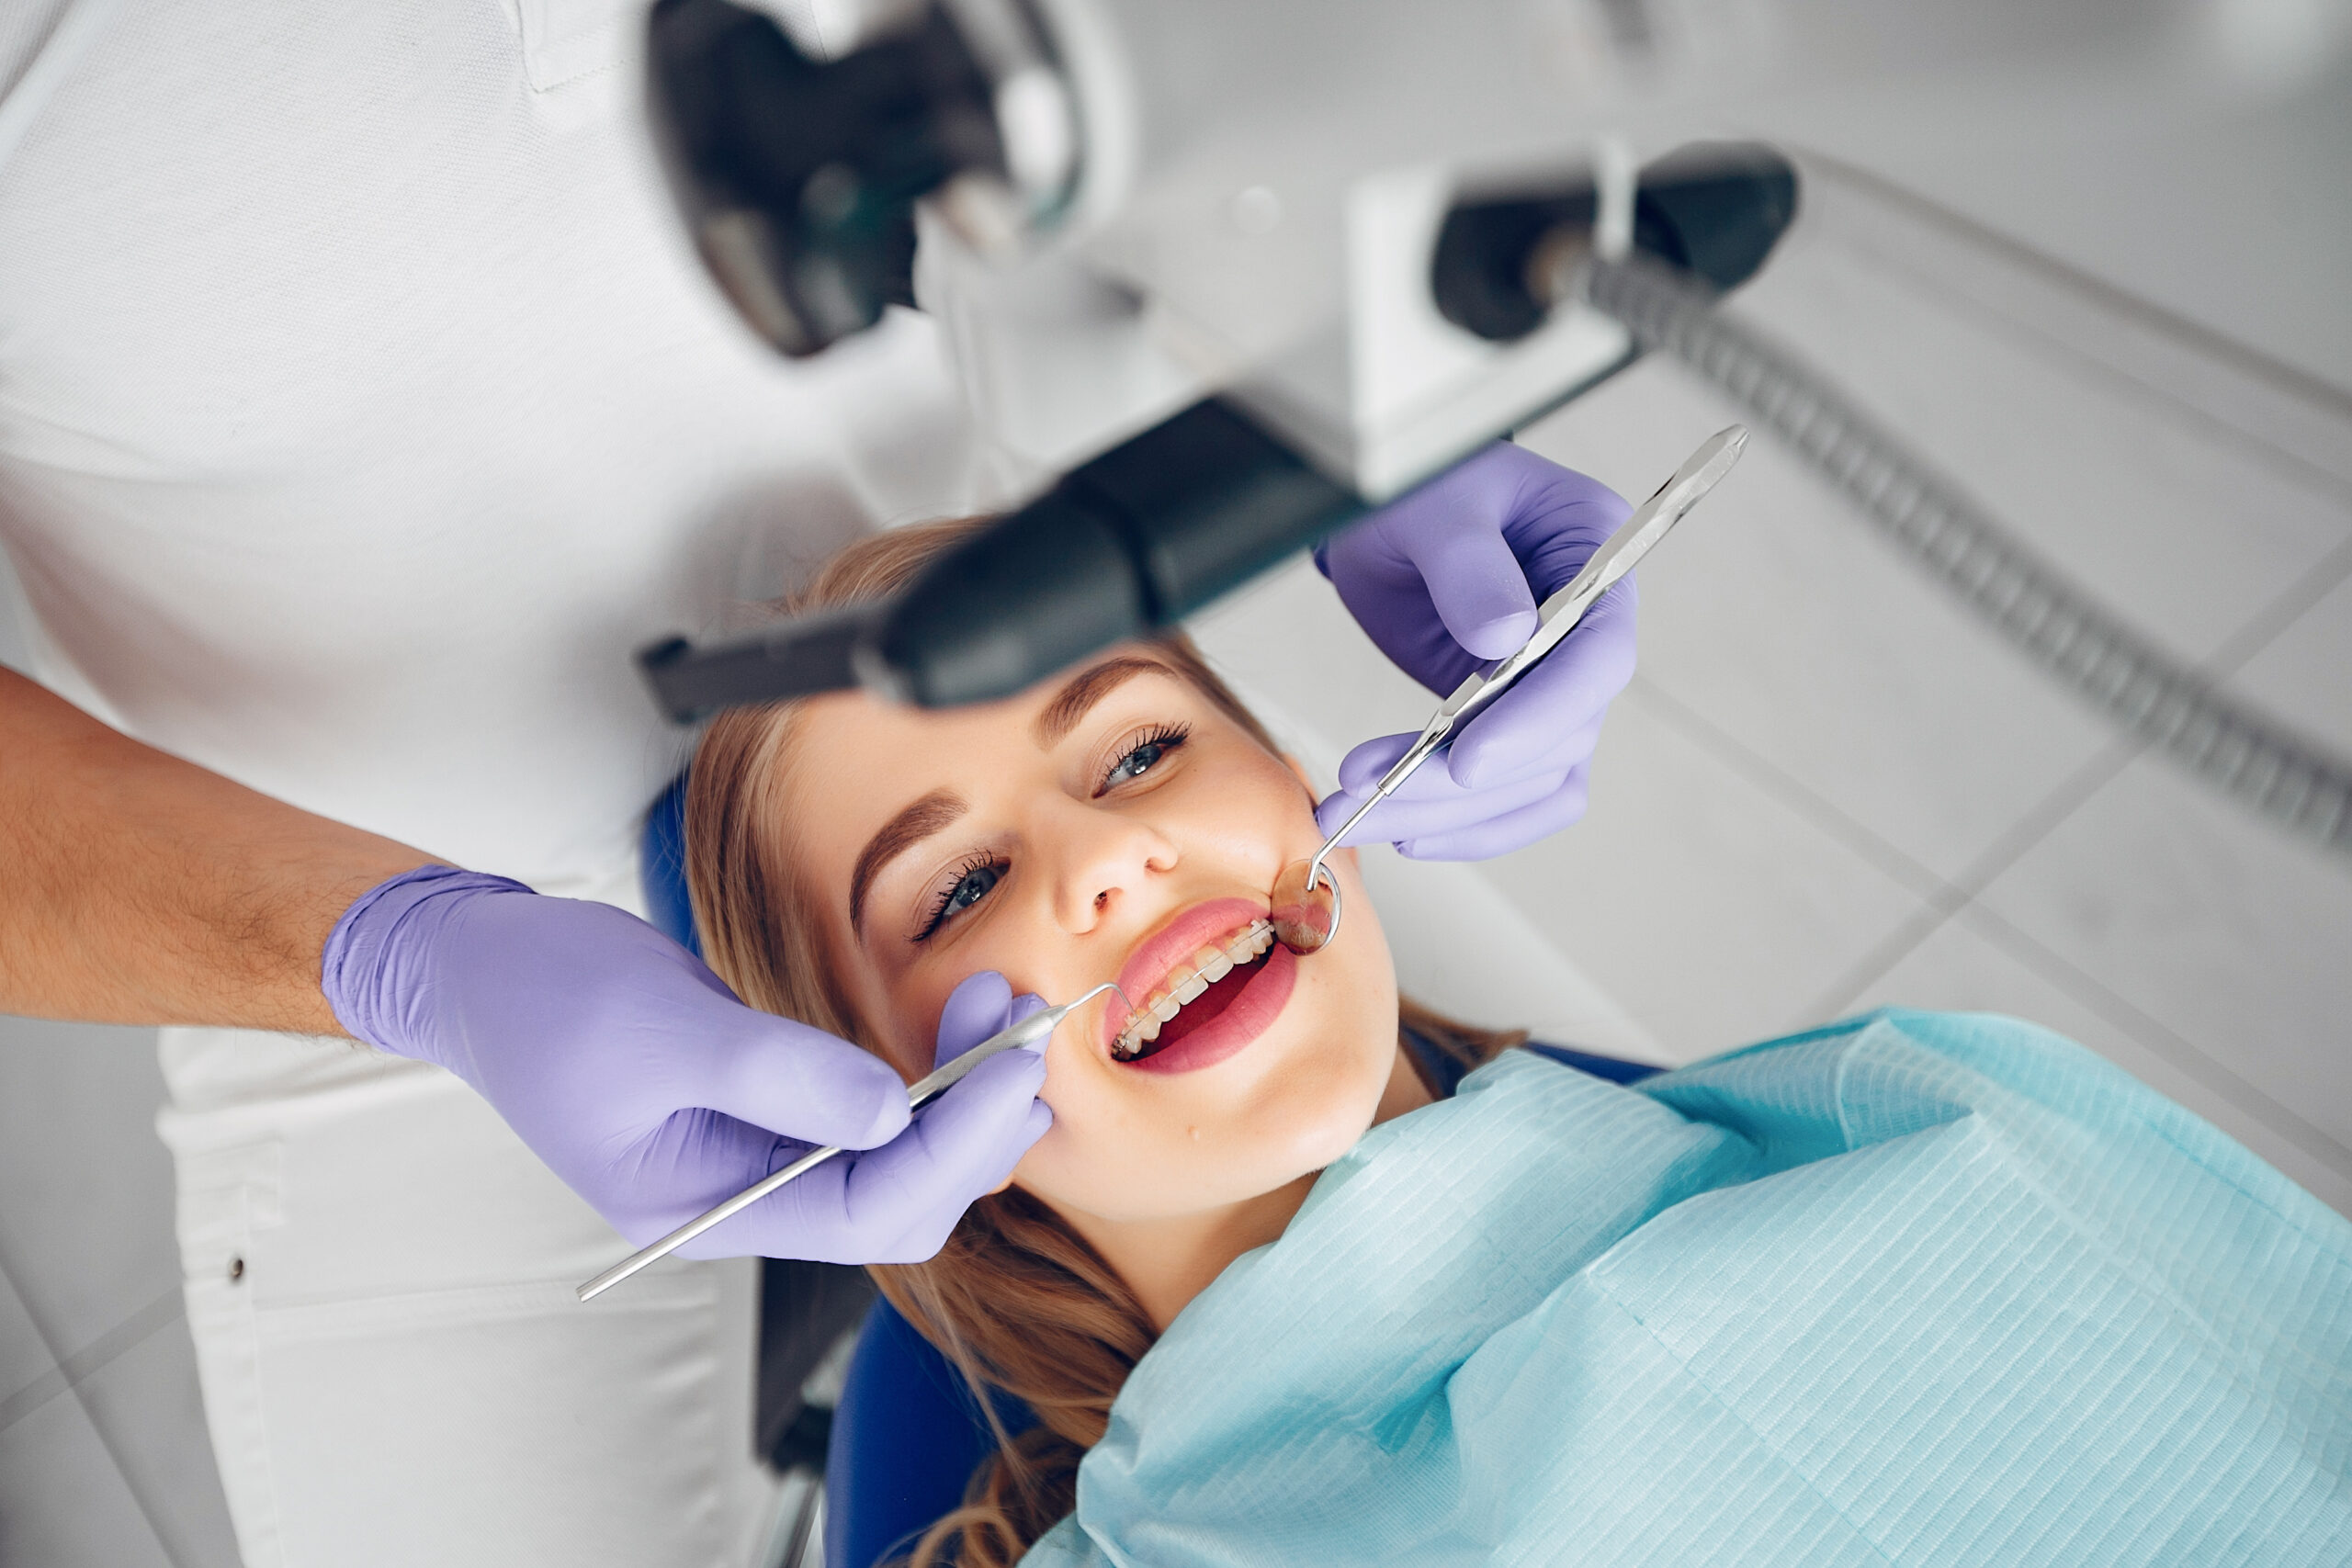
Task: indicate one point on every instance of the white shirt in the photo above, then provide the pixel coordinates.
(362, 407)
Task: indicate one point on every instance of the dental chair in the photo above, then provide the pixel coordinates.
(907, 1432)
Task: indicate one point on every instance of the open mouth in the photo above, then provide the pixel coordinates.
(1195, 993)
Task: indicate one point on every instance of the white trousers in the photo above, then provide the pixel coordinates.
(379, 1283)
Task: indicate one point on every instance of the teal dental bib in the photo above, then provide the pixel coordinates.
(1918, 1290)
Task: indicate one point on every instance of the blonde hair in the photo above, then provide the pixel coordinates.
(1016, 1300)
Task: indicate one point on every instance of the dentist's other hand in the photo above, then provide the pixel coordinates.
(1447, 577)
(635, 1074)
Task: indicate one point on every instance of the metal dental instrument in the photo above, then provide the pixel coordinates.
(1307, 916)
(1030, 1030)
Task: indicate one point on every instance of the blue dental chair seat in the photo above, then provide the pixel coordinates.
(909, 1432)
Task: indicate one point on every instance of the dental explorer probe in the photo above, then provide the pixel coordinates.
(1307, 917)
(1030, 1030)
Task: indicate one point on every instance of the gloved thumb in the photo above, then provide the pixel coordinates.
(1476, 585)
(976, 1009)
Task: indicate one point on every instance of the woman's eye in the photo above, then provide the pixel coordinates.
(1138, 762)
(1142, 757)
(974, 884)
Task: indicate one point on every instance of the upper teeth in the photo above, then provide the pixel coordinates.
(1185, 983)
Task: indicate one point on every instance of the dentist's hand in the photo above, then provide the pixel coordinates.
(636, 1074)
(1447, 578)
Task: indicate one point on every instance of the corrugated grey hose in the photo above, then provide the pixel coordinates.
(2249, 757)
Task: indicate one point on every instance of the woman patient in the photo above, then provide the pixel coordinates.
(1641, 1326)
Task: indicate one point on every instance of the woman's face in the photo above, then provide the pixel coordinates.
(1116, 826)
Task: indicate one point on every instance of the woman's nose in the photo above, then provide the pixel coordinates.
(1104, 860)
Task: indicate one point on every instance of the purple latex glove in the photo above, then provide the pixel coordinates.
(1447, 578)
(635, 1074)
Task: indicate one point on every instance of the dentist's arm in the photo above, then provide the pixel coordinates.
(1450, 576)
(138, 888)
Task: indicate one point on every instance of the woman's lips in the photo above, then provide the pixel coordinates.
(1260, 1002)
(1170, 945)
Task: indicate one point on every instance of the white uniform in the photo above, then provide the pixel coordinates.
(361, 407)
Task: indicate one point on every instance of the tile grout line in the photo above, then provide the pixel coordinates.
(2038, 823)
(65, 1375)
(1942, 898)
(2274, 620)
(132, 1481)
(1964, 893)
(2287, 380)
(2161, 1039)
(2300, 471)
(1919, 880)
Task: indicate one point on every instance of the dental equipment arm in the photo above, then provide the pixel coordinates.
(1237, 270)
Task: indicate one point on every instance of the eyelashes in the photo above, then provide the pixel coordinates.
(1152, 747)
(976, 877)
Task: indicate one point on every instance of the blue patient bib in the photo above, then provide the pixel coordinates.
(1917, 1289)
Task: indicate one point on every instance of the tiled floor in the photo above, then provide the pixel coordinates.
(1828, 788)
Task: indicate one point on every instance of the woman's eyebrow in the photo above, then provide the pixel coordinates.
(908, 827)
(1089, 687)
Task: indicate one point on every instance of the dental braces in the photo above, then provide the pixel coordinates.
(1210, 964)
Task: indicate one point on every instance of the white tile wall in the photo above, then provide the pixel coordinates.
(146, 1405)
(1776, 615)
(1712, 907)
(26, 1365)
(2305, 674)
(2185, 530)
(89, 1094)
(2233, 935)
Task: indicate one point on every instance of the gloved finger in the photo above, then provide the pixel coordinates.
(1474, 582)
(1448, 809)
(1557, 520)
(789, 1078)
(1563, 696)
(1568, 747)
(1511, 830)
(1361, 769)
